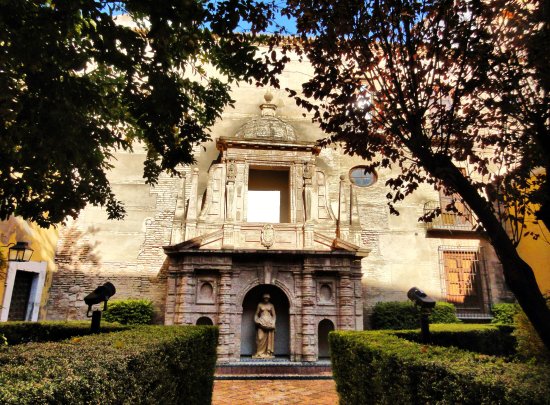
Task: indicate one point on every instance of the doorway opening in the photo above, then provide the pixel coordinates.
(268, 195)
(282, 323)
(325, 326)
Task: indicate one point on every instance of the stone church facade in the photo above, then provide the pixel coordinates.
(265, 210)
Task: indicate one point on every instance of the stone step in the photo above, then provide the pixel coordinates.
(263, 369)
(273, 377)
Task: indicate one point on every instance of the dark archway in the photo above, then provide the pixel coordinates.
(204, 320)
(325, 326)
(282, 324)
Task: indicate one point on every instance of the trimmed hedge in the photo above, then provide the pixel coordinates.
(129, 312)
(486, 339)
(405, 315)
(530, 345)
(504, 313)
(142, 365)
(377, 367)
(25, 332)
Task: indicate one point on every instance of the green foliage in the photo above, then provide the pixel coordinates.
(24, 332)
(444, 312)
(504, 313)
(78, 85)
(129, 312)
(3, 340)
(379, 95)
(529, 344)
(377, 367)
(405, 315)
(142, 365)
(484, 339)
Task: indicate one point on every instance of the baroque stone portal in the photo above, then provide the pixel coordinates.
(265, 323)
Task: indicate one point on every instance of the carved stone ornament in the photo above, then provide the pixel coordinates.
(308, 171)
(267, 237)
(231, 171)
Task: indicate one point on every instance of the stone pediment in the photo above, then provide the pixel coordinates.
(213, 239)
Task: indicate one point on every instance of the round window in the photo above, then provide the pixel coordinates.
(361, 177)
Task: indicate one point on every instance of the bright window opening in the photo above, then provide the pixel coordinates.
(268, 196)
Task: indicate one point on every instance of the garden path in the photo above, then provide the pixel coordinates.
(280, 392)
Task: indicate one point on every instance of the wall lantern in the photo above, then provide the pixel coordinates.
(19, 252)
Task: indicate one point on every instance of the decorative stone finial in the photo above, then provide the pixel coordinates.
(268, 109)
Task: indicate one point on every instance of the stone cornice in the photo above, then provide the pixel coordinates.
(223, 143)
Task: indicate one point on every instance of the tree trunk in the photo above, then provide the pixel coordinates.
(518, 274)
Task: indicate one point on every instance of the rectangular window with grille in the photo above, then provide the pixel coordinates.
(464, 284)
(453, 217)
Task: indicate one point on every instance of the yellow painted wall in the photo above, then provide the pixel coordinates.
(537, 254)
(43, 241)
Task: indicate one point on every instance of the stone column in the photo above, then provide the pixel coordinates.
(346, 307)
(308, 316)
(226, 342)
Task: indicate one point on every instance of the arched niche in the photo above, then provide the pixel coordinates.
(282, 324)
(204, 320)
(325, 326)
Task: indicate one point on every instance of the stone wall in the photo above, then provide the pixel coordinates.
(129, 253)
(92, 249)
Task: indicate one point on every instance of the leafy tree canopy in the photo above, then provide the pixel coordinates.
(77, 85)
(450, 93)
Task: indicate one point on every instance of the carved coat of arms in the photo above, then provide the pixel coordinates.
(267, 237)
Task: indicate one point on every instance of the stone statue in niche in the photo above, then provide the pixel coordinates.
(264, 318)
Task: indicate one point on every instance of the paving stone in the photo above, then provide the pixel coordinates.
(261, 392)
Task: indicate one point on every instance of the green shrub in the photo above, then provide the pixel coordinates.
(24, 332)
(405, 315)
(129, 312)
(444, 312)
(529, 344)
(486, 339)
(378, 367)
(141, 365)
(504, 313)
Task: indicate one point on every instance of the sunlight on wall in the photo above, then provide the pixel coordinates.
(43, 241)
(537, 254)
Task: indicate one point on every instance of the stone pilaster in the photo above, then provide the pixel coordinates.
(226, 342)
(171, 298)
(308, 316)
(346, 304)
(185, 287)
(358, 298)
(192, 209)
